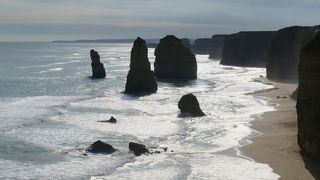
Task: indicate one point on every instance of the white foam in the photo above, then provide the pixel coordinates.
(51, 70)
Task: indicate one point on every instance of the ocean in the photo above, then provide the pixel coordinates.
(49, 110)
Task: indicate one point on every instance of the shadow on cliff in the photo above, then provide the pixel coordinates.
(312, 166)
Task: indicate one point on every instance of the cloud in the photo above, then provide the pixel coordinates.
(205, 17)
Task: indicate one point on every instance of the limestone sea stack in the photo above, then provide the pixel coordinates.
(174, 60)
(140, 78)
(216, 46)
(308, 100)
(189, 105)
(98, 71)
(248, 49)
(283, 56)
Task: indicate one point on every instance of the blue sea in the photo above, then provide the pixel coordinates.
(49, 110)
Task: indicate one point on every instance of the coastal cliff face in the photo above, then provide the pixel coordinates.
(283, 56)
(247, 48)
(202, 46)
(308, 100)
(140, 78)
(212, 46)
(216, 47)
(174, 60)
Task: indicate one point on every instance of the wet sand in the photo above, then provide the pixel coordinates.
(277, 146)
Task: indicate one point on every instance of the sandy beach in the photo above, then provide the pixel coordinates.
(277, 146)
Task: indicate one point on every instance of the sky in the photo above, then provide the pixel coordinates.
(47, 20)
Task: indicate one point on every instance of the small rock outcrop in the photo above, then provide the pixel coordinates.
(248, 49)
(174, 60)
(216, 49)
(138, 149)
(189, 105)
(283, 56)
(140, 78)
(98, 71)
(308, 99)
(111, 120)
(100, 147)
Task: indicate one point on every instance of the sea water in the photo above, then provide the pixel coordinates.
(49, 110)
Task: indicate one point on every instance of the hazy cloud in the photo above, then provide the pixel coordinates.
(82, 19)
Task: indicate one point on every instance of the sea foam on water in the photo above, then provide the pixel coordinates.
(51, 108)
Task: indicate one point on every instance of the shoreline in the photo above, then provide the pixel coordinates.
(276, 144)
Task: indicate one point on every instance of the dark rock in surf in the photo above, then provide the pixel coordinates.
(138, 149)
(308, 99)
(189, 104)
(174, 60)
(111, 120)
(100, 147)
(98, 71)
(140, 78)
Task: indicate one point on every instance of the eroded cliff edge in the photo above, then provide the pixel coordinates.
(283, 56)
(308, 100)
(248, 49)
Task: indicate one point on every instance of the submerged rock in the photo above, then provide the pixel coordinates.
(283, 57)
(140, 78)
(138, 149)
(174, 60)
(248, 49)
(98, 71)
(101, 148)
(308, 99)
(189, 104)
(111, 120)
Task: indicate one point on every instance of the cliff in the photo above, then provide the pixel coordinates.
(247, 49)
(216, 50)
(283, 58)
(202, 46)
(308, 100)
(174, 60)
